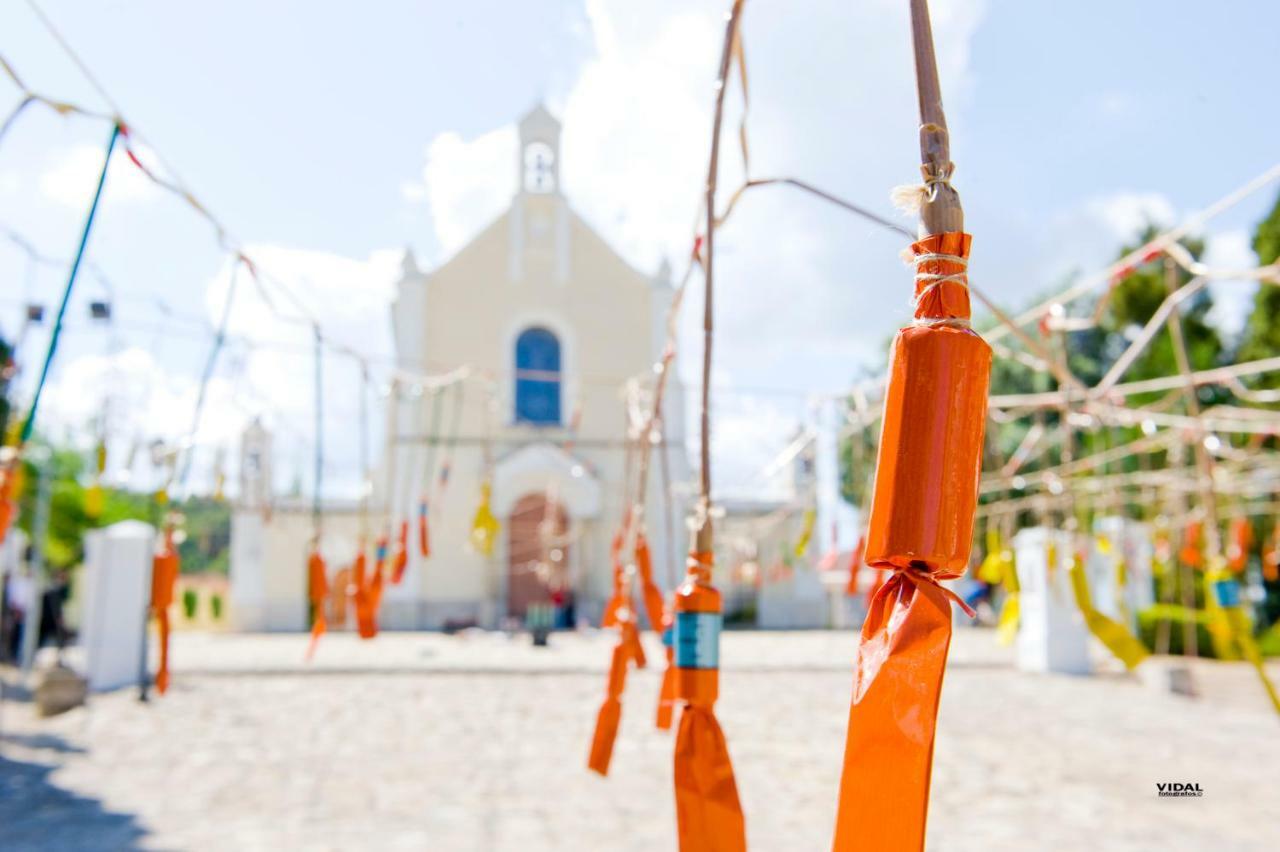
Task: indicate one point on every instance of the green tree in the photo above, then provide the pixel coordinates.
(1261, 337)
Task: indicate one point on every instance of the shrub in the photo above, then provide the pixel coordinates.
(189, 602)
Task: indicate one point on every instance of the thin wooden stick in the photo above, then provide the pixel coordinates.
(704, 541)
(940, 211)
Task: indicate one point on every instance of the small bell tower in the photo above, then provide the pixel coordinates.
(539, 155)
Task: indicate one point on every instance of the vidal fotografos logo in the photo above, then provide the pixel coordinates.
(1177, 789)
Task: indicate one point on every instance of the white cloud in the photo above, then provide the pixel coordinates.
(1125, 214)
(466, 183)
(1232, 298)
(72, 174)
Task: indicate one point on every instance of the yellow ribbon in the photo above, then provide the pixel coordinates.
(1114, 635)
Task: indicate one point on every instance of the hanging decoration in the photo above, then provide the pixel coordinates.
(484, 526)
(10, 488)
(708, 811)
(1270, 556)
(1192, 552)
(424, 531)
(922, 510)
(1241, 542)
(806, 533)
(165, 566)
(93, 498)
(855, 565)
(401, 559)
(1115, 636)
(667, 691)
(1229, 625)
(318, 591)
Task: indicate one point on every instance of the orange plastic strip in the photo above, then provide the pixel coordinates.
(401, 560)
(318, 584)
(165, 567)
(855, 564)
(667, 692)
(653, 605)
(424, 531)
(610, 711)
(884, 791)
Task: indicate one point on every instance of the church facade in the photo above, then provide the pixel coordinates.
(545, 325)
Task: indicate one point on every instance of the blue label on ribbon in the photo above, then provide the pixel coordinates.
(697, 640)
(1227, 593)
(668, 636)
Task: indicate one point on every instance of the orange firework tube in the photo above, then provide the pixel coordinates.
(921, 529)
(653, 606)
(424, 531)
(708, 812)
(165, 566)
(401, 560)
(318, 587)
(667, 693)
(1241, 543)
(855, 563)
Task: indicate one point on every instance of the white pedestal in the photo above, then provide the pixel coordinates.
(1052, 636)
(1131, 541)
(117, 593)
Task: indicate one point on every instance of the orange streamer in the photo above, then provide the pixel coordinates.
(424, 531)
(1191, 553)
(8, 497)
(708, 811)
(401, 560)
(368, 590)
(1271, 558)
(318, 587)
(855, 564)
(653, 606)
(165, 566)
(611, 710)
(667, 692)
(1241, 544)
(920, 528)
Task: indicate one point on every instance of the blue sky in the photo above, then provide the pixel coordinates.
(329, 136)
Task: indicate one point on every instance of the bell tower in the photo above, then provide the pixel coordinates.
(539, 155)
(540, 214)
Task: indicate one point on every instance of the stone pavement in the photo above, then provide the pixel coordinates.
(478, 742)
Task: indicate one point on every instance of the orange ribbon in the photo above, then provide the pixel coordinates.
(401, 560)
(318, 586)
(855, 563)
(611, 710)
(8, 505)
(667, 692)
(424, 532)
(889, 752)
(165, 567)
(653, 605)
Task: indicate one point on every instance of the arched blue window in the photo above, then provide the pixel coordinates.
(538, 377)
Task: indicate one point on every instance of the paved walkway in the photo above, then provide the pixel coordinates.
(478, 742)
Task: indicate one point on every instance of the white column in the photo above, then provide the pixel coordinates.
(117, 593)
(1052, 636)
